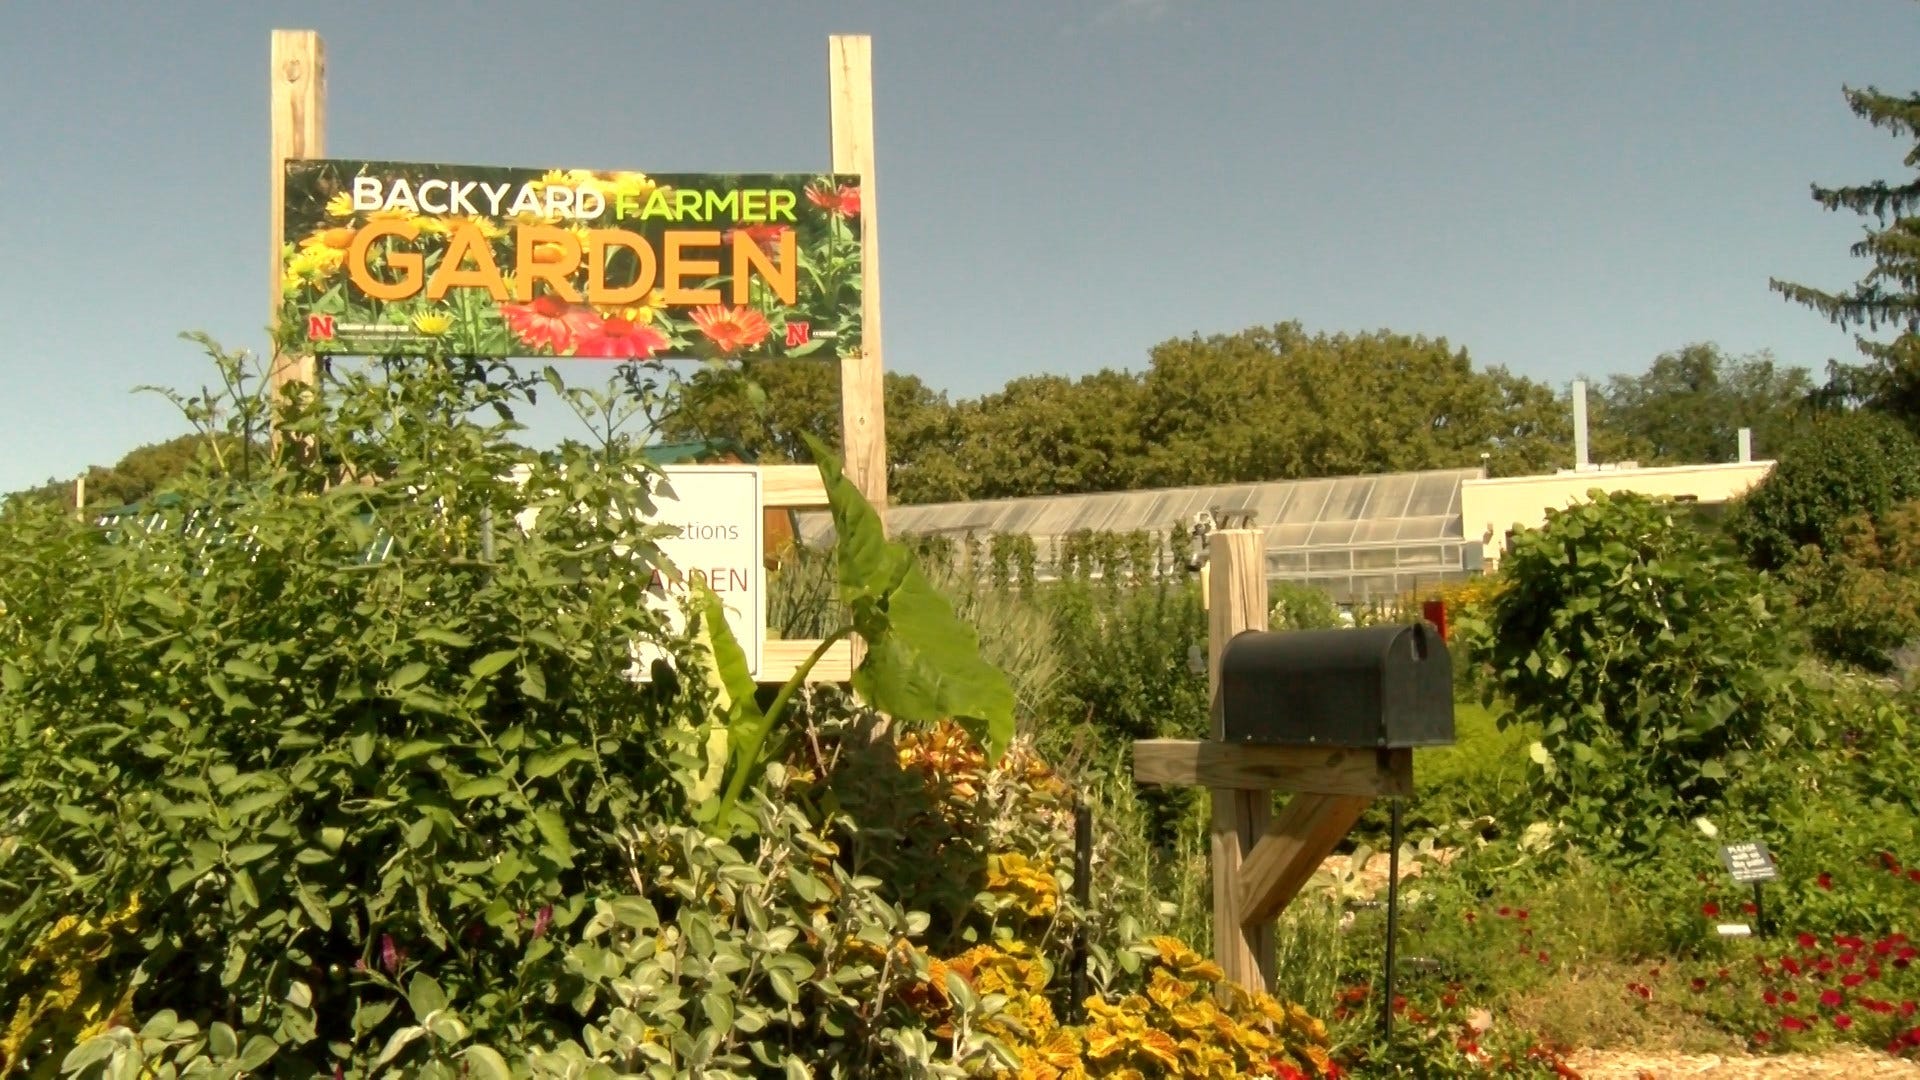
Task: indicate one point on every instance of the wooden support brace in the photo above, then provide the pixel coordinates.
(1297, 841)
(1247, 767)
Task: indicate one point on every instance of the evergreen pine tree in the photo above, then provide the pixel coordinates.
(1888, 297)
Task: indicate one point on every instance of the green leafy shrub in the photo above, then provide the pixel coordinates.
(1843, 466)
(323, 738)
(1125, 656)
(1300, 607)
(1861, 597)
(347, 771)
(1651, 664)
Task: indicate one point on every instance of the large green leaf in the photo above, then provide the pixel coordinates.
(924, 665)
(869, 566)
(747, 726)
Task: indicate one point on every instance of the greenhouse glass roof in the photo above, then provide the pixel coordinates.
(1358, 537)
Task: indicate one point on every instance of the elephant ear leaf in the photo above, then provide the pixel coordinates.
(923, 663)
(869, 566)
(747, 725)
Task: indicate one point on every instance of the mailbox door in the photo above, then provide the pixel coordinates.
(1419, 674)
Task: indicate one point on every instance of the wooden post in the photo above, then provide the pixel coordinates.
(1237, 601)
(80, 496)
(297, 101)
(863, 418)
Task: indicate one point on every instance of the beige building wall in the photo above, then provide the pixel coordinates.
(1490, 508)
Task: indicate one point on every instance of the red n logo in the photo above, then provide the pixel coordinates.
(319, 328)
(799, 333)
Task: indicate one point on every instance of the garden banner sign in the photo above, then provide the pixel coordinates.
(387, 258)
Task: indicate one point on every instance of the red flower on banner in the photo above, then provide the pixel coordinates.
(843, 201)
(764, 237)
(731, 328)
(614, 337)
(542, 323)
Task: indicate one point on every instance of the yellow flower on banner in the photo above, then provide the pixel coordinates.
(433, 323)
(311, 266)
(394, 214)
(341, 205)
(643, 312)
(633, 186)
(489, 228)
(336, 238)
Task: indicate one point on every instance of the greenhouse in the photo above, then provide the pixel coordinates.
(1360, 538)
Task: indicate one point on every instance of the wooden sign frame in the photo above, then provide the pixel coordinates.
(297, 105)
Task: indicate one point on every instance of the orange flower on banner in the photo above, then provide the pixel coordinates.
(844, 201)
(544, 322)
(731, 328)
(764, 237)
(614, 337)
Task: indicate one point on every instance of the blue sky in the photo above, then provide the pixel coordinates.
(1561, 188)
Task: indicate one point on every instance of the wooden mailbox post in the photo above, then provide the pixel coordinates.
(1261, 860)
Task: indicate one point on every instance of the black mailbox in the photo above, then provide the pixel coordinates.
(1372, 687)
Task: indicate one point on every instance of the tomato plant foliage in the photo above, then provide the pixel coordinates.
(341, 726)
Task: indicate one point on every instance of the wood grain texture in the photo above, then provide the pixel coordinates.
(297, 104)
(795, 487)
(863, 421)
(1298, 839)
(1237, 603)
(780, 658)
(1247, 767)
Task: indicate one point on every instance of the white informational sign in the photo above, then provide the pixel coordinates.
(717, 510)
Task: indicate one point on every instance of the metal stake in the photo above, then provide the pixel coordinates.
(1082, 892)
(1393, 913)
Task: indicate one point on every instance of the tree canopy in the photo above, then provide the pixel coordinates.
(1688, 407)
(1267, 403)
(1888, 296)
(138, 474)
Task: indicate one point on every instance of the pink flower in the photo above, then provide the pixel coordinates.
(543, 920)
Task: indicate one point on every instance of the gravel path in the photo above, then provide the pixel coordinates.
(1853, 1064)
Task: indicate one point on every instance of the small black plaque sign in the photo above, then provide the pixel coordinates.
(1749, 862)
